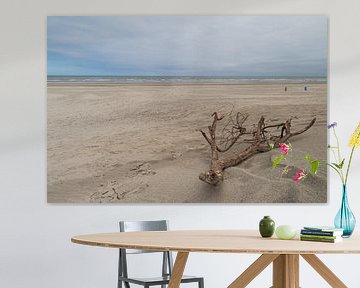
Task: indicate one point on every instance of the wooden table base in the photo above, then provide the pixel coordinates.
(178, 270)
(324, 271)
(286, 271)
(253, 270)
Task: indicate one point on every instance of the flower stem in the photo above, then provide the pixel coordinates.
(338, 146)
(351, 155)
(333, 152)
(337, 171)
(339, 157)
(348, 167)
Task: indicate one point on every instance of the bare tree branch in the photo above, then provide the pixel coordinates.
(262, 140)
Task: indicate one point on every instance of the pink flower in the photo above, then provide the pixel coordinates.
(299, 175)
(285, 148)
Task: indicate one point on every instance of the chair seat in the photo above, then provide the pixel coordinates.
(167, 261)
(158, 280)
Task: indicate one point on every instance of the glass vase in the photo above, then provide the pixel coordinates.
(345, 219)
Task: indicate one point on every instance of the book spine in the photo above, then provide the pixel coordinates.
(317, 239)
(318, 236)
(319, 233)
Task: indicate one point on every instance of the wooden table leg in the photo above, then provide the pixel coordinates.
(293, 262)
(286, 271)
(253, 270)
(178, 269)
(324, 271)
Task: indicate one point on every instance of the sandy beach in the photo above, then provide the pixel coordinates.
(141, 143)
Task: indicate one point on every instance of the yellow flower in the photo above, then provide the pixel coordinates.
(355, 138)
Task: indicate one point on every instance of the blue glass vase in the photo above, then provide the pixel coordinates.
(345, 219)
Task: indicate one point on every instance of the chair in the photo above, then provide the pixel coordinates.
(167, 262)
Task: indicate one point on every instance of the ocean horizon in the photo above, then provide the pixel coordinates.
(88, 79)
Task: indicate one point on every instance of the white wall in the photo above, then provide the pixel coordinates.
(35, 248)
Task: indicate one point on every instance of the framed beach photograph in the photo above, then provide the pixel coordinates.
(187, 109)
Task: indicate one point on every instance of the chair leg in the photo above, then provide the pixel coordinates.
(126, 284)
(201, 283)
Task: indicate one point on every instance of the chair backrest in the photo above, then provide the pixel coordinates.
(137, 226)
(133, 226)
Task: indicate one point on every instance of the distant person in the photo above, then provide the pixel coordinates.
(305, 88)
(285, 88)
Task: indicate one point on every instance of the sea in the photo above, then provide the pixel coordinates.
(177, 80)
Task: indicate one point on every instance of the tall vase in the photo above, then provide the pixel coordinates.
(345, 219)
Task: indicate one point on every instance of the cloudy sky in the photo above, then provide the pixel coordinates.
(187, 45)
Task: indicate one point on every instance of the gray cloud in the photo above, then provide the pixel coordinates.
(191, 45)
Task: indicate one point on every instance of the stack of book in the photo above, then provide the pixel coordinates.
(321, 234)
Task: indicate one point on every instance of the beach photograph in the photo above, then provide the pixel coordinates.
(186, 109)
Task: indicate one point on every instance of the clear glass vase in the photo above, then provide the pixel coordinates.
(345, 219)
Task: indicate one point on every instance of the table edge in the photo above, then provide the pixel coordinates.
(203, 250)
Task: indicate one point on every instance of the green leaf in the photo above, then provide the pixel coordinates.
(314, 167)
(336, 165)
(342, 163)
(276, 161)
(307, 157)
(333, 167)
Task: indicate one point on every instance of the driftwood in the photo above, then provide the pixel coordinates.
(260, 138)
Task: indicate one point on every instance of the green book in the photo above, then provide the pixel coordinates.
(325, 240)
(319, 236)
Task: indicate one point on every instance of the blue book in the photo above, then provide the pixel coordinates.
(322, 231)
